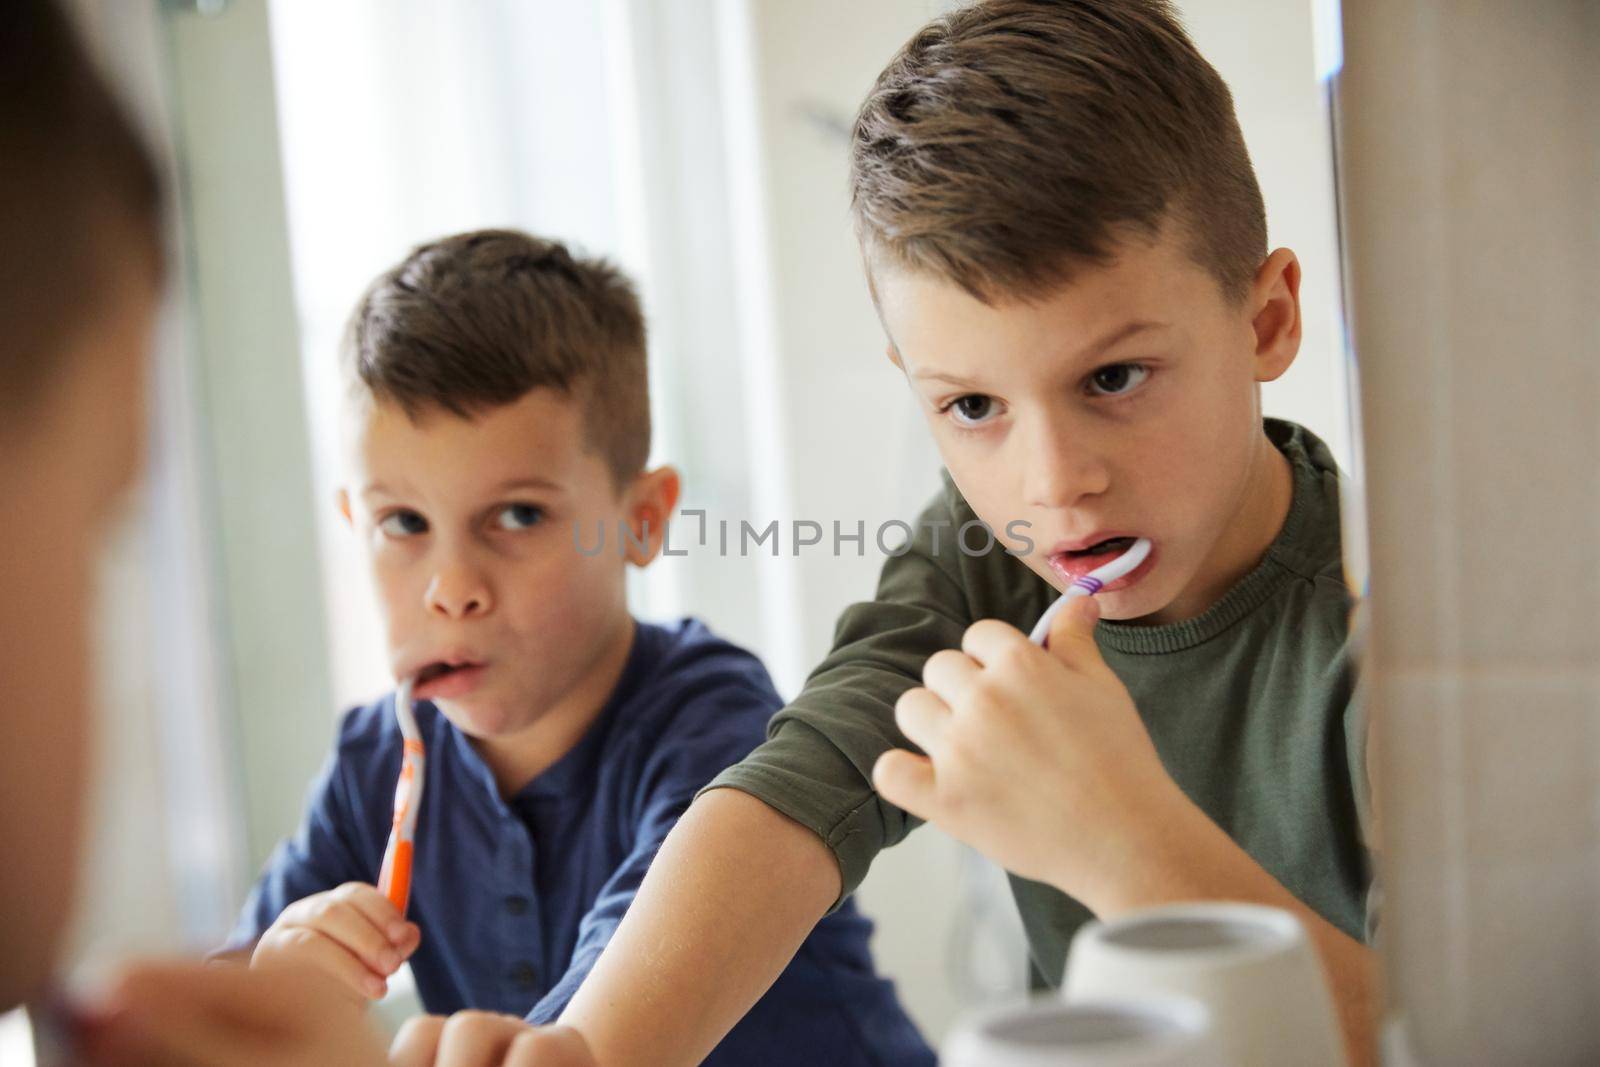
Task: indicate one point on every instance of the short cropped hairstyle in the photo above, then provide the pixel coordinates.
(1011, 142)
(75, 179)
(476, 321)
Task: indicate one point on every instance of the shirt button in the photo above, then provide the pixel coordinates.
(517, 905)
(524, 975)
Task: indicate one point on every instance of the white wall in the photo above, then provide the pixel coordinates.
(1265, 51)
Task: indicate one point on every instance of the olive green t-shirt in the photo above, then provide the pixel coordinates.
(1251, 705)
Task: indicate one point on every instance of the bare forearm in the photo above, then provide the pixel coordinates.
(729, 899)
(1193, 859)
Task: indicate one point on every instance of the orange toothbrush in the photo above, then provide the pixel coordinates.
(394, 881)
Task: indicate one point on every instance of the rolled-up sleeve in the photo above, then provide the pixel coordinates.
(816, 764)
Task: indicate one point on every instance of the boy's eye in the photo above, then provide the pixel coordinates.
(518, 516)
(974, 409)
(403, 524)
(1117, 379)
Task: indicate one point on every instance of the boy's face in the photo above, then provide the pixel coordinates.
(1123, 405)
(468, 525)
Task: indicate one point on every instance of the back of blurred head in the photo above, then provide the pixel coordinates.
(80, 270)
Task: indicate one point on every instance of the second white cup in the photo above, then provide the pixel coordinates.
(1143, 1032)
(1252, 966)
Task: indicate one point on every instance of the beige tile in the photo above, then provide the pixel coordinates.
(1500, 969)
(1419, 783)
(1533, 987)
(1416, 757)
(1472, 181)
(1531, 766)
(1422, 936)
(1490, 858)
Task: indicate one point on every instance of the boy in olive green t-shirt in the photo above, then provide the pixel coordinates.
(1067, 248)
(1249, 704)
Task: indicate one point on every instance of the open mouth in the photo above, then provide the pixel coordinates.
(1072, 564)
(1114, 546)
(439, 670)
(445, 679)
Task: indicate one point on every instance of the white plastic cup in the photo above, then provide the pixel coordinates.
(1131, 1032)
(1252, 966)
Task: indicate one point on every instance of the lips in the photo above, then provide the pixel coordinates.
(1072, 560)
(452, 677)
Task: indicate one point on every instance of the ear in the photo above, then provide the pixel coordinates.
(342, 497)
(894, 355)
(651, 501)
(1275, 302)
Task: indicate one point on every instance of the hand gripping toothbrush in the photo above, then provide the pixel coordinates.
(1089, 585)
(394, 880)
(979, 892)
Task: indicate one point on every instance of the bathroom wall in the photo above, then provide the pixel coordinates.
(1470, 173)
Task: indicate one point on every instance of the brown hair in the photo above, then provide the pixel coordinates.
(477, 320)
(1013, 141)
(72, 170)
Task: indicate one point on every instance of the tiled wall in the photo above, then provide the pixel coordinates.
(1470, 171)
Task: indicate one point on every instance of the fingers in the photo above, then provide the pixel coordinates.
(360, 919)
(303, 945)
(549, 1046)
(996, 645)
(992, 643)
(1072, 633)
(950, 674)
(417, 1042)
(379, 910)
(480, 1039)
(476, 1039)
(923, 718)
(905, 780)
(354, 933)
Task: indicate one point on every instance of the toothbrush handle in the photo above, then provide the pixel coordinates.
(395, 880)
(1041, 629)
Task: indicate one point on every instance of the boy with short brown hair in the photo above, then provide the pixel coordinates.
(498, 426)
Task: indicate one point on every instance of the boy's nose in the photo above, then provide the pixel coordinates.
(457, 593)
(1060, 473)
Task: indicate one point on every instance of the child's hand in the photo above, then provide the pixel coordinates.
(1037, 758)
(195, 1015)
(352, 933)
(483, 1039)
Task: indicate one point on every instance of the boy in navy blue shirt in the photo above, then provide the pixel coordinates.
(499, 428)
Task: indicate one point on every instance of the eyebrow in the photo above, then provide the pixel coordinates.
(1094, 348)
(953, 379)
(507, 486)
(527, 483)
(1122, 333)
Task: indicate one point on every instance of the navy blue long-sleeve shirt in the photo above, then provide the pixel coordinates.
(516, 898)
